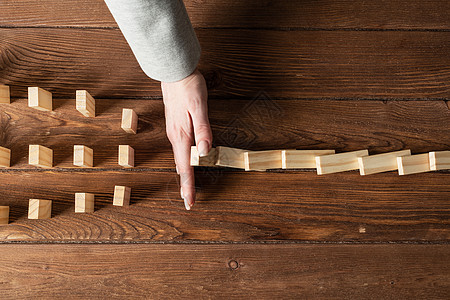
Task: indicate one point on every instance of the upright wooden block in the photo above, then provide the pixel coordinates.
(126, 156)
(301, 159)
(5, 157)
(121, 195)
(439, 160)
(40, 156)
(209, 160)
(412, 164)
(4, 215)
(84, 203)
(4, 94)
(129, 120)
(230, 157)
(341, 162)
(83, 156)
(262, 160)
(40, 99)
(39, 209)
(380, 163)
(85, 103)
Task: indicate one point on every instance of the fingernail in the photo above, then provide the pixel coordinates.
(181, 193)
(176, 168)
(202, 148)
(188, 207)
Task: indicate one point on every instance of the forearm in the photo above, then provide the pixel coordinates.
(160, 35)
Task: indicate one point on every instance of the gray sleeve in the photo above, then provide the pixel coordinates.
(160, 35)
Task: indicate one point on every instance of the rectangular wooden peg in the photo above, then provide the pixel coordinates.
(129, 120)
(439, 160)
(4, 215)
(126, 156)
(39, 209)
(341, 162)
(301, 159)
(230, 157)
(5, 157)
(5, 96)
(208, 160)
(39, 99)
(85, 103)
(40, 156)
(380, 163)
(83, 156)
(412, 164)
(121, 195)
(262, 160)
(84, 203)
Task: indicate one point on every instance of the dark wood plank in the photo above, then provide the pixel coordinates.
(260, 124)
(233, 206)
(204, 272)
(299, 64)
(326, 14)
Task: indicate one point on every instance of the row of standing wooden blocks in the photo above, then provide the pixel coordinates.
(41, 99)
(83, 156)
(325, 161)
(84, 203)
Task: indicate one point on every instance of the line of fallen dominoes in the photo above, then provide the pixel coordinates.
(325, 161)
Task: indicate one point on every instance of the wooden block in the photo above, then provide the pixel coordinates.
(40, 156)
(439, 160)
(209, 160)
(84, 203)
(39, 209)
(230, 157)
(380, 163)
(129, 120)
(39, 98)
(5, 157)
(301, 159)
(413, 164)
(341, 162)
(85, 103)
(262, 160)
(83, 156)
(4, 215)
(126, 156)
(121, 195)
(5, 96)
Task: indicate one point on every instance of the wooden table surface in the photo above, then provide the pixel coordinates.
(344, 75)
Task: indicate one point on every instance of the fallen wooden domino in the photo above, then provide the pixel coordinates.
(4, 215)
(126, 156)
(83, 156)
(208, 160)
(301, 159)
(230, 157)
(262, 160)
(333, 163)
(39, 99)
(39, 209)
(40, 156)
(5, 96)
(5, 157)
(413, 164)
(84, 202)
(381, 162)
(439, 160)
(129, 120)
(121, 195)
(85, 103)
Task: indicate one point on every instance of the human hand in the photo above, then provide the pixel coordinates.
(186, 110)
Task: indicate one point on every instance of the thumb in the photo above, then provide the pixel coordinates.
(202, 131)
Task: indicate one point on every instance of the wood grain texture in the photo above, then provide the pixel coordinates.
(326, 14)
(278, 124)
(225, 271)
(233, 206)
(298, 64)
